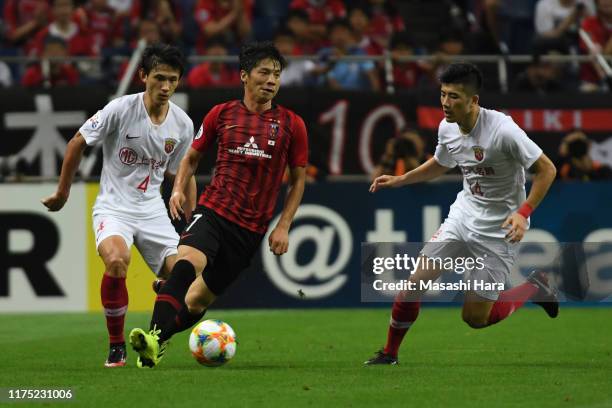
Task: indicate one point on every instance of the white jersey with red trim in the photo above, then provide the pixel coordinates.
(493, 158)
(136, 154)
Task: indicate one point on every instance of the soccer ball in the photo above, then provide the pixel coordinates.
(212, 343)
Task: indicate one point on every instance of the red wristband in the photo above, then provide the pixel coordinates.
(525, 210)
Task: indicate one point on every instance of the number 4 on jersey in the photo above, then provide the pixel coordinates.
(145, 183)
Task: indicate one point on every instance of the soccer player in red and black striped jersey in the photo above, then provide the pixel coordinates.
(257, 140)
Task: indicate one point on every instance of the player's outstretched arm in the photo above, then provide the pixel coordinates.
(429, 170)
(182, 183)
(279, 238)
(72, 158)
(544, 175)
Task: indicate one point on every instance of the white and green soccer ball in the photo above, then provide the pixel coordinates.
(212, 343)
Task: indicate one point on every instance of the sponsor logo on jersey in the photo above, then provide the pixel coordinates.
(251, 143)
(250, 148)
(128, 156)
(169, 145)
(131, 137)
(478, 152)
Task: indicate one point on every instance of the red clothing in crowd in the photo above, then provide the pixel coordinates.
(201, 76)
(383, 26)
(67, 75)
(80, 42)
(331, 10)
(19, 12)
(406, 75)
(102, 26)
(600, 34)
(209, 10)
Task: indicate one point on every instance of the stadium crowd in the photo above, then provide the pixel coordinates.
(318, 28)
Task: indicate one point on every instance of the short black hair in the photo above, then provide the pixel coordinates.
(463, 73)
(254, 52)
(159, 53)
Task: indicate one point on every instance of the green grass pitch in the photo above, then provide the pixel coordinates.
(295, 358)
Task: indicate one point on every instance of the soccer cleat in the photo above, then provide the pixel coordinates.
(546, 296)
(116, 356)
(157, 285)
(147, 346)
(381, 358)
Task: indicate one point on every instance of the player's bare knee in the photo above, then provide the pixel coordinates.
(195, 257)
(116, 266)
(195, 304)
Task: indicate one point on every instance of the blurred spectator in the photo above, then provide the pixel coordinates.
(560, 19)
(65, 26)
(599, 28)
(545, 77)
(385, 21)
(296, 73)
(576, 164)
(163, 12)
(402, 153)
(355, 75)
(24, 18)
(102, 22)
(230, 20)
(213, 73)
(6, 77)
(58, 73)
(510, 22)
(405, 74)
(359, 18)
(320, 13)
(148, 30)
(450, 44)
(298, 23)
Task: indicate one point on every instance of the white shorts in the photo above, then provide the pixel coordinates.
(155, 238)
(454, 240)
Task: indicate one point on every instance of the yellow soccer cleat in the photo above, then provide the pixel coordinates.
(147, 346)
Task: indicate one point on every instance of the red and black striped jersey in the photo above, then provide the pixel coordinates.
(253, 151)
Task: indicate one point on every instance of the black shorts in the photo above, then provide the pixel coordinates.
(228, 247)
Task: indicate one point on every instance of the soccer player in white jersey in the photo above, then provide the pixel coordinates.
(144, 137)
(489, 216)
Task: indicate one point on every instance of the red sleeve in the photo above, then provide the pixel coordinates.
(37, 44)
(10, 16)
(207, 134)
(298, 149)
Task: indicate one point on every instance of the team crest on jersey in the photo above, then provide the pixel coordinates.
(169, 145)
(478, 152)
(273, 130)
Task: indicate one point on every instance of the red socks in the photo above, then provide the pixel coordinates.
(114, 296)
(403, 314)
(510, 300)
